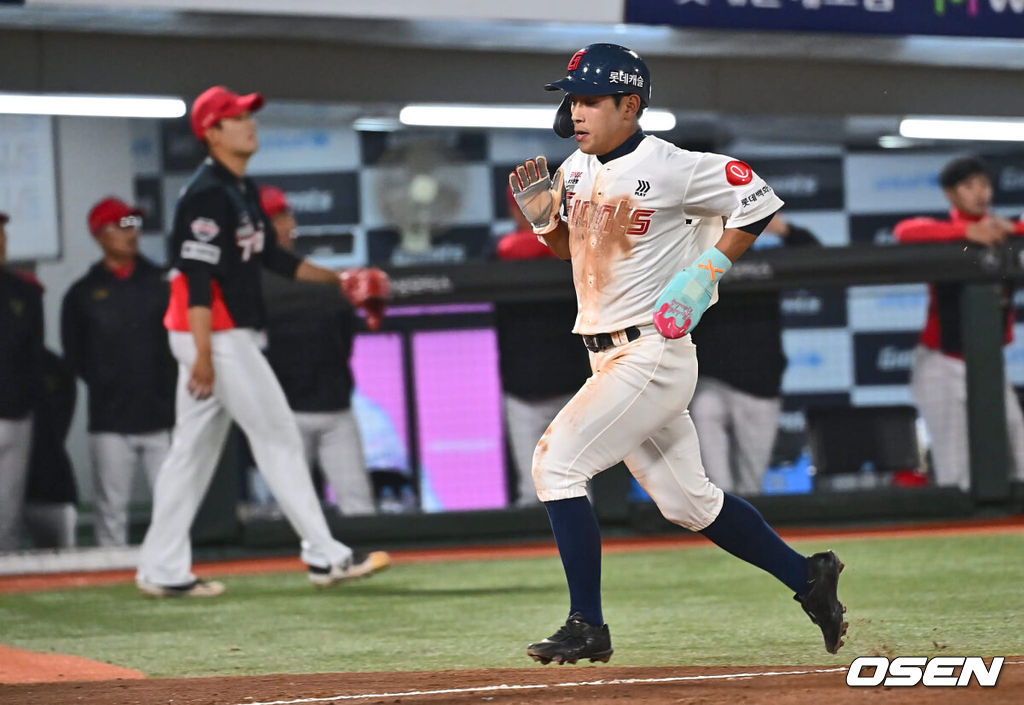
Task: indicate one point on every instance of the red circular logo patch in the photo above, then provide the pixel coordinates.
(738, 173)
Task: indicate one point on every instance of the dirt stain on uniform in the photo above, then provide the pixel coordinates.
(599, 230)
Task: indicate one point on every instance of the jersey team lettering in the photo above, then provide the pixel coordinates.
(250, 239)
(738, 173)
(601, 217)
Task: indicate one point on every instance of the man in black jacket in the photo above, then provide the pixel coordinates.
(21, 349)
(736, 404)
(51, 495)
(114, 339)
(310, 328)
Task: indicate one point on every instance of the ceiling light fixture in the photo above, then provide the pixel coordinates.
(963, 129)
(509, 116)
(91, 105)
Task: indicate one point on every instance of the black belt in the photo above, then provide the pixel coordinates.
(602, 341)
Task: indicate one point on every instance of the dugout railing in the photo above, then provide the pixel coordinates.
(982, 271)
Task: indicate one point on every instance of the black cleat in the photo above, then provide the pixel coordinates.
(821, 603)
(572, 642)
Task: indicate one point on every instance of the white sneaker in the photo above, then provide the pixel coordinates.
(197, 588)
(359, 565)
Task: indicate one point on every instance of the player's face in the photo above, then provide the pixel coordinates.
(119, 242)
(601, 125)
(285, 226)
(972, 195)
(235, 136)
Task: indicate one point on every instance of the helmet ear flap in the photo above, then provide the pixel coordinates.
(563, 118)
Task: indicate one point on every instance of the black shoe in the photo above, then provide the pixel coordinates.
(821, 603)
(572, 642)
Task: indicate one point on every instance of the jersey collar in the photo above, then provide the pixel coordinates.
(623, 149)
(959, 216)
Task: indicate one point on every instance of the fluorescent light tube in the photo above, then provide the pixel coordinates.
(91, 105)
(514, 117)
(963, 129)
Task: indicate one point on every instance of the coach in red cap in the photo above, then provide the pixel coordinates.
(221, 240)
(113, 337)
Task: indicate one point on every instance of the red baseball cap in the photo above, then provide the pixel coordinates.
(216, 103)
(273, 200)
(110, 210)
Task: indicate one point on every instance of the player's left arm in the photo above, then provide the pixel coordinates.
(727, 188)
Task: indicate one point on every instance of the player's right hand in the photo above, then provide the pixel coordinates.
(538, 197)
(200, 382)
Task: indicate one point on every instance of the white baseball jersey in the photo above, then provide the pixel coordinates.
(636, 221)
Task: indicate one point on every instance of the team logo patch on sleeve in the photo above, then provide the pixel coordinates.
(204, 229)
(200, 251)
(738, 173)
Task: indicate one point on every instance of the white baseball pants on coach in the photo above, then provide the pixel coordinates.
(332, 439)
(938, 384)
(114, 459)
(246, 390)
(15, 447)
(737, 432)
(633, 408)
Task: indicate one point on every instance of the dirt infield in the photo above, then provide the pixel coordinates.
(18, 666)
(603, 685)
(55, 679)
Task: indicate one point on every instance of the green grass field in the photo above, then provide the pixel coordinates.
(961, 595)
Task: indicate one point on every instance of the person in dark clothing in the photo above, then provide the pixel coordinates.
(938, 378)
(528, 332)
(736, 404)
(220, 241)
(21, 349)
(310, 329)
(114, 339)
(51, 497)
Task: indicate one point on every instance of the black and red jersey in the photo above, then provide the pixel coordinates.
(942, 327)
(219, 240)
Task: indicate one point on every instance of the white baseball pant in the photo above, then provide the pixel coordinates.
(15, 446)
(938, 384)
(633, 408)
(246, 390)
(332, 439)
(737, 432)
(114, 459)
(527, 420)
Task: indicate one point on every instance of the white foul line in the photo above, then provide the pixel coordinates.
(505, 687)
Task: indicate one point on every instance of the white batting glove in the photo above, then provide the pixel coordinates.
(539, 199)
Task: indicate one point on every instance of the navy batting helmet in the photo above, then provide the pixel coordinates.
(600, 69)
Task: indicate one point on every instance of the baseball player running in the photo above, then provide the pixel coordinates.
(650, 230)
(220, 240)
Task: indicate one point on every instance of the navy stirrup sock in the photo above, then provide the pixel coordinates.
(742, 531)
(578, 537)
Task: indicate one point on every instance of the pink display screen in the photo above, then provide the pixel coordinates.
(458, 408)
